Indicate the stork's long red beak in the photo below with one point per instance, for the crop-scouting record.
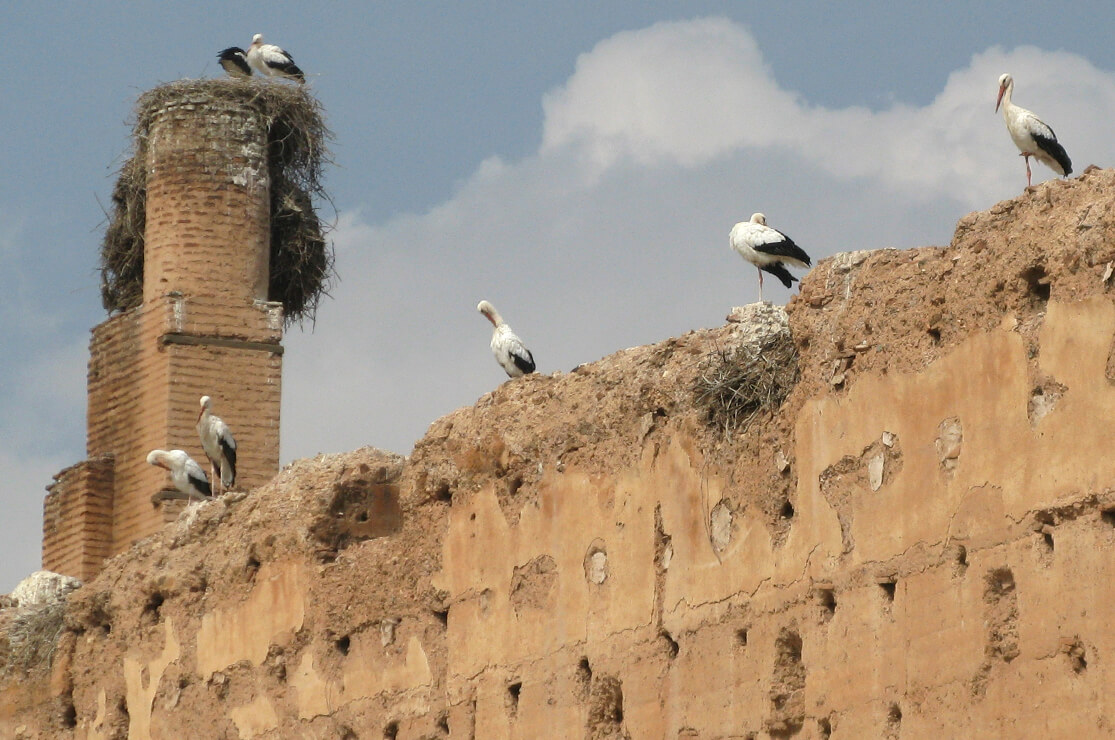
(1002, 89)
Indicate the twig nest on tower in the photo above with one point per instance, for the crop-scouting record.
(302, 260)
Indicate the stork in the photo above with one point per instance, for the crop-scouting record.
(768, 249)
(235, 62)
(1030, 134)
(186, 475)
(272, 61)
(219, 445)
(509, 350)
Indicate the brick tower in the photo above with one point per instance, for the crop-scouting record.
(204, 327)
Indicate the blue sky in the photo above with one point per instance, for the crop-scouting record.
(578, 164)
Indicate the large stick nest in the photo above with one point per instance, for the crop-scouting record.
(734, 386)
(302, 260)
(31, 636)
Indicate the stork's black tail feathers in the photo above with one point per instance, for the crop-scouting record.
(779, 271)
(1053, 148)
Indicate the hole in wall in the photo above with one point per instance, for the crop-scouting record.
(514, 485)
(443, 722)
(787, 510)
(1047, 541)
(1107, 516)
(443, 493)
(826, 597)
(251, 568)
(69, 713)
(1000, 581)
(153, 607)
(342, 644)
(391, 731)
(741, 637)
(1037, 283)
(442, 615)
(1074, 649)
(672, 646)
(894, 721)
(583, 678)
(513, 691)
(889, 588)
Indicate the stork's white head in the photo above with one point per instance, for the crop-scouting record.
(157, 458)
(1005, 83)
(758, 218)
(489, 312)
(206, 402)
(257, 39)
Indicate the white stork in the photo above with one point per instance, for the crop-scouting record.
(272, 61)
(219, 446)
(768, 249)
(187, 475)
(1030, 134)
(235, 62)
(509, 350)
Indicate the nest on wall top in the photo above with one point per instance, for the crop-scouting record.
(302, 260)
(735, 385)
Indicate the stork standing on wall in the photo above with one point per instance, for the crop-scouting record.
(1030, 134)
(509, 350)
(186, 475)
(219, 446)
(272, 61)
(235, 62)
(768, 249)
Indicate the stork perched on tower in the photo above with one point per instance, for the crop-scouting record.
(219, 446)
(768, 249)
(272, 61)
(1030, 134)
(235, 62)
(186, 475)
(509, 350)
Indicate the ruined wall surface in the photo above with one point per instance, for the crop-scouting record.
(917, 544)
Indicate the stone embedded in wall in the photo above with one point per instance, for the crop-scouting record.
(950, 435)
(596, 563)
(720, 525)
(1043, 399)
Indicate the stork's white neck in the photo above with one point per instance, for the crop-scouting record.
(1007, 104)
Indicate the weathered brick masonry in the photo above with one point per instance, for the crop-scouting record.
(205, 327)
